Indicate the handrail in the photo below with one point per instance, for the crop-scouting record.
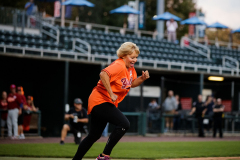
(105, 27)
(81, 49)
(224, 63)
(227, 44)
(48, 33)
(207, 54)
(109, 59)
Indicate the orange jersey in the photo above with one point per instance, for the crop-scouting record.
(121, 80)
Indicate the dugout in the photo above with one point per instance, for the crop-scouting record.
(48, 81)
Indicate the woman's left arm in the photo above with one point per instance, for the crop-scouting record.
(141, 79)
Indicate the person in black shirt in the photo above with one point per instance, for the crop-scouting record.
(199, 108)
(77, 117)
(217, 117)
(209, 105)
(177, 116)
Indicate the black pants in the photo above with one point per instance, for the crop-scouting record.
(100, 116)
(217, 126)
(176, 122)
(200, 127)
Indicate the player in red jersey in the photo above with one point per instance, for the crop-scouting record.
(14, 102)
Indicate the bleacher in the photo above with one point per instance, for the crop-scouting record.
(154, 53)
(107, 43)
(221, 51)
(28, 40)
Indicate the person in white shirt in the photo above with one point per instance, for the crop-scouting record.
(171, 28)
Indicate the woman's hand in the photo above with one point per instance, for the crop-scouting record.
(145, 75)
(141, 79)
(113, 97)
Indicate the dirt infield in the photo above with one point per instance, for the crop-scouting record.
(208, 158)
(124, 139)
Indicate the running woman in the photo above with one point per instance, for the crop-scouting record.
(114, 84)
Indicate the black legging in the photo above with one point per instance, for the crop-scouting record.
(100, 116)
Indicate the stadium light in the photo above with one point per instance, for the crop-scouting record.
(214, 78)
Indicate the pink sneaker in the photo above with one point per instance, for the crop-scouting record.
(103, 158)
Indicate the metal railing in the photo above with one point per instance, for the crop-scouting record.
(88, 46)
(194, 46)
(46, 31)
(229, 63)
(38, 121)
(192, 119)
(222, 43)
(19, 18)
(106, 28)
(154, 64)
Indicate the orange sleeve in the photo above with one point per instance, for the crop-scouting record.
(113, 70)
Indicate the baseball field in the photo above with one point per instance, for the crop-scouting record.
(128, 148)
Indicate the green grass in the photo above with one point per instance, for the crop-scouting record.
(129, 150)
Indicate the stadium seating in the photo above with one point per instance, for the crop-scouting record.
(219, 52)
(107, 43)
(28, 40)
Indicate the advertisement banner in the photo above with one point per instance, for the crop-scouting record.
(141, 17)
(68, 12)
(186, 103)
(201, 28)
(191, 28)
(57, 7)
(228, 105)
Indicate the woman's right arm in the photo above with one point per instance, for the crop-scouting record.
(106, 82)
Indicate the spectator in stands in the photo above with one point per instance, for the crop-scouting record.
(199, 109)
(177, 117)
(170, 105)
(77, 117)
(20, 92)
(14, 102)
(209, 104)
(28, 108)
(217, 118)
(29, 7)
(185, 40)
(31, 10)
(3, 108)
(171, 28)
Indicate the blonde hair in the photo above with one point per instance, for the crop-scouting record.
(127, 48)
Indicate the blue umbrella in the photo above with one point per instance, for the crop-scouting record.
(78, 3)
(236, 31)
(193, 21)
(125, 9)
(217, 25)
(166, 16)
